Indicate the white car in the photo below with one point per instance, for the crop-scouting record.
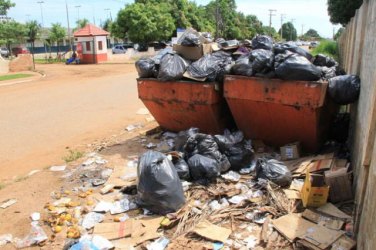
(119, 49)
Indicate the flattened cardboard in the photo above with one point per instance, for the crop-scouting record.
(290, 151)
(212, 232)
(340, 185)
(120, 171)
(292, 194)
(332, 210)
(112, 231)
(193, 53)
(322, 220)
(343, 243)
(321, 237)
(292, 226)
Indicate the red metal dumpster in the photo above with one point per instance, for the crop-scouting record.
(280, 112)
(180, 105)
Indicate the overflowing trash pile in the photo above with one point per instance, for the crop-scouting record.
(198, 58)
(198, 191)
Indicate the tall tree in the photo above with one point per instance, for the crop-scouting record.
(82, 23)
(341, 11)
(312, 33)
(5, 5)
(288, 32)
(338, 33)
(12, 32)
(144, 22)
(107, 25)
(57, 34)
(223, 14)
(32, 29)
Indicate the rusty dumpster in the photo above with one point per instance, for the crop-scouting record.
(180, 105)
(280, 112)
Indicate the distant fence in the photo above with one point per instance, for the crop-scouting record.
(358, 56)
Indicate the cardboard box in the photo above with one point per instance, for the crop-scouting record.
(193, 53)
(315, 192)
(290, 151)
(340, 185)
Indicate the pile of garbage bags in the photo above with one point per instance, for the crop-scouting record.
(202, 159)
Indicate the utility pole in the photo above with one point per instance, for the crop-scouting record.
(41, 11)
(292, 28)
(109, 11)
(282, 17)
(302, 29)
(69, 31)
(271, 14)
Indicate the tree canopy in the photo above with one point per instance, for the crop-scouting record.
(288, 31)
(12, 32)
(5, 5)
(312, 33)
(341, 11)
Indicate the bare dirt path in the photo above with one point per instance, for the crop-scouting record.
(71, 107)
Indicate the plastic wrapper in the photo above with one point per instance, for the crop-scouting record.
(203, 169)
(159, 187)
(323, 60)
(296, 67)
(91, 219)
(292, 47)
(5, 239)
(262, 42)
(157, 58)
(172, 67)
(327, 73)
(182, 138)
(273, 170)
(262, 60)
(191, 38)
(210, 65)
(36, 236)
(344, 89)
(146, 67)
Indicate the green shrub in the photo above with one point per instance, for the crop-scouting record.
(327, 47)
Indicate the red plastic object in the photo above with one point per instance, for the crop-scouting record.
(180, 105)
(280, 112)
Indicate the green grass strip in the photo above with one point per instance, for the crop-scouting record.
(13, 76)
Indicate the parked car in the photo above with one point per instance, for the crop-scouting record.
(119, 49)
(4, 52)
(20, 50)
(313, 44)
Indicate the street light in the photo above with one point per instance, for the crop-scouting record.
(78, 11)
(41, 11)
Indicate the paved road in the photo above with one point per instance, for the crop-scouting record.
(71, 106)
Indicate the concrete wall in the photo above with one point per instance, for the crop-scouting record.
(358, 56)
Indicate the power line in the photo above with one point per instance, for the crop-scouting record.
(282, 17)
(271, 14)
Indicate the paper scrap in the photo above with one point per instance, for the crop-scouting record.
(212, 232)
(8, 203)
(58, 168)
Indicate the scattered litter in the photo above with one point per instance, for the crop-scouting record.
(332, 210)
(36, 236)
(231, 176)
(112, 231)
(35, 216)
(8, 203)
(106, 189)
(212, 232)
(5, 239)
(119, 207)
(132, 127)
(58, 168)
(102, 206)
(151, 145)
(159, 244)
(33, 172)
(91, 219)
(94, 242)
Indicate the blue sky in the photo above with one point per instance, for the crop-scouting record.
(310, 13)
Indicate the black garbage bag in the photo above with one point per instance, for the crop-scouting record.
(209, 65)
(205, 145)
(261, 60)
(183, 137)
(323, 60)
(344, 89)
(190, 40)
(145, 67)
(327, 73)
(203, 169)
(292, 47)
(262, 42)
(182, 168)
(172, 67)
(242, 69)
(157, 58)
(296, 67)
(273, 170)
(159, 187)
(223, 71)
(238, 150)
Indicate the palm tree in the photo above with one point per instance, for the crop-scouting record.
(33, 29)
(82, 23)
(57, 35)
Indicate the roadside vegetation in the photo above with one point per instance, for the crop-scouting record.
(327, 47)
(72, 156)
(13, 76)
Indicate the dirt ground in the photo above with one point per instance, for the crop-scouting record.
(78, 107)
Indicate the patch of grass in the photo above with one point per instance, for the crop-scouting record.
(48, 61)
(2, 185)
(21, 178)
(14, 76)
(327, 47)
(72, 155)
